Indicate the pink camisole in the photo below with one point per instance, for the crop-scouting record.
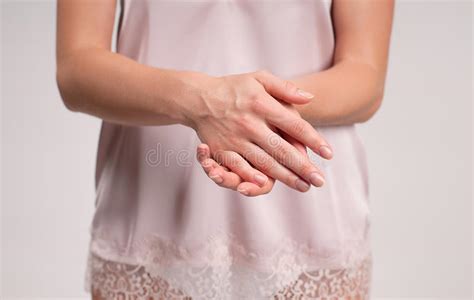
(163, 230)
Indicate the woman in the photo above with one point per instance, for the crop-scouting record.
(188, 75)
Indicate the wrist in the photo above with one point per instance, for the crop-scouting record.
(194, 87)
(178, 94)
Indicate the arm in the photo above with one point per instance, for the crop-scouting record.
(96, 81)
(351, 90)
(234, 114)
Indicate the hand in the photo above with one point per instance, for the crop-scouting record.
(226, 178)
(235, 117)
(223, 177)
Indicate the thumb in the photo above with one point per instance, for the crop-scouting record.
(281, 89)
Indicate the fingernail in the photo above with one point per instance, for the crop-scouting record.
(260, 179)
(216, 178)
(316, 179)
(305, 94)
(206, 163)
(325, 151)
(301, 185)
(243, 191)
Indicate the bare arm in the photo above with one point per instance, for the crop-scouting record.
(351, 90)
(96, 81)
(234, 114)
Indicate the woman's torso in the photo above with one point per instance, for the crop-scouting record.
(155, 205)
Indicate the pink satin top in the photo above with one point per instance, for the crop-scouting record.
(156, 207)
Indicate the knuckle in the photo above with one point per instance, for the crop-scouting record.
(262, 72)
(298, 127)
(273, 139)
(307, 168)
(283, 154)
(264, 164)
(248, 81)
(276, 144)
(247, 152)
(289, 86)
(265, 167)
(257, 105)
(291, 179)
(244, 122)
(293, 161)
(232, 142)
(253, 97)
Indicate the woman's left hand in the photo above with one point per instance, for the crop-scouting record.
(225, 178)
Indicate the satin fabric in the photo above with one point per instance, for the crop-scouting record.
(156, 207)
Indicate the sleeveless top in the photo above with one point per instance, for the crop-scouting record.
(157, 209)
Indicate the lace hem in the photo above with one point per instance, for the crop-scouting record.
(223, 268)
(112, 280)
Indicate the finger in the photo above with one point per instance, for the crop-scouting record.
(229, 180)
(268, 165)
(298, 128)
(295, 143)
(290, 140)
(290, 157)
(222, 176)
(241, 167)
(251, 190)
(203, 156)
(202, 152)
(282, 89)
(219, 174)
(225, 178)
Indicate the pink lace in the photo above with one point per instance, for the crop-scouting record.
(112, 280)
(156, 268)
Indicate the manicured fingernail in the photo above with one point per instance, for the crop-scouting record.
(260, 179)
(316, 179)
(325, 151)
(243, 191)
(216, 178)
(305, 94)
(301, 185)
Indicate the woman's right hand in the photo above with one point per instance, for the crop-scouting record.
(235, 116)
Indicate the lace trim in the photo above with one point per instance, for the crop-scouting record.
(112, 280)
(223, 268)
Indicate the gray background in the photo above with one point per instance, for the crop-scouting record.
(419, 147)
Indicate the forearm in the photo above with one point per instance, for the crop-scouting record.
(346, 93)
(117, 89)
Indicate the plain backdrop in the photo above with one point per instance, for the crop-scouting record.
(419, 148)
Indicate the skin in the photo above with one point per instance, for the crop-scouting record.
(238, 116)
(226, 111)
(349, 92)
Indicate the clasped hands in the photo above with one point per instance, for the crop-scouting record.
(252, 134)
